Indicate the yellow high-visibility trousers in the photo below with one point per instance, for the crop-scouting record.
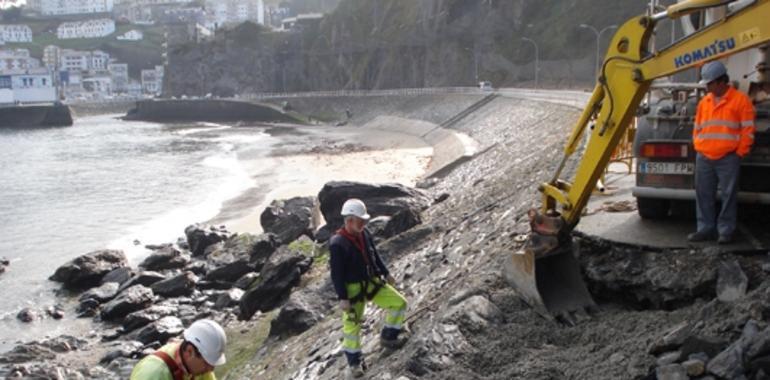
(387, 298)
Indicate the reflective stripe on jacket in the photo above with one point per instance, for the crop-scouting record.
(724, 127)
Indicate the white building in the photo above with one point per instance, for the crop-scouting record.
(28, 86)
(152, 81)
(132, 35)
(70, 7)
(119, 76)
(17, 60)
(76, 60)
(98, 85)
(15, 33)
(86, 29)
(224, 12)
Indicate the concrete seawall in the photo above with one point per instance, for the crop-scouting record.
(210, 110)
(33, 116)
(450, 148)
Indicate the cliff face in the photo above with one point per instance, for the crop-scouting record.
(370, 44)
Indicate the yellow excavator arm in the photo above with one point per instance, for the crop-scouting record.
(625, 77)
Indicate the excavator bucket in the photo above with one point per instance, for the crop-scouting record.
(546, 273)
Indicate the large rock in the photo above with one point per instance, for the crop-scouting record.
(230, 273)
(160, 330)
(146, 278)
(277, 278)
(402, 221)
(144, 317)
(120, 275)
(165, 258)
(263, 246)
(88, 270)
(229, 298)
(383, 199)
(246, 281)
(200, 237)
(130, 349)
(132, 299)
(729, 364)
(177, 286)
(296, 316)
(42, 351)
(731, 281)
(289, 219)
(671, 372)
(102, 294)
(671, 339)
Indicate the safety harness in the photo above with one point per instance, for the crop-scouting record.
(372, 274)
(176, 371)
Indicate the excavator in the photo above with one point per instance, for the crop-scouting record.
(545, 272)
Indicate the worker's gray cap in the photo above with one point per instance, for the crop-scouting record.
(711, 71)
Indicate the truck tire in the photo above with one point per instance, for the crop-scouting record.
(652, 208)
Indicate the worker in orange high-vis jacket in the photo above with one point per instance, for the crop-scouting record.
(722, 136)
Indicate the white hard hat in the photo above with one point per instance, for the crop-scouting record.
(712, 71)
(355, 207)
(210, 340)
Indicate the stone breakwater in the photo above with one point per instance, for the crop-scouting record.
(207, 110)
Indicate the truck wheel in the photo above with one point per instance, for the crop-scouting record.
(652, 208)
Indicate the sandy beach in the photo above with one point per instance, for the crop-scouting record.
(321, 154)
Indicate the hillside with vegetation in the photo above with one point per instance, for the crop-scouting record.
(371, 44)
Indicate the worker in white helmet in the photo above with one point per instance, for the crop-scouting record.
(194, 358)
(359, 275)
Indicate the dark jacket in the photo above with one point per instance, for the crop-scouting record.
(348, 265)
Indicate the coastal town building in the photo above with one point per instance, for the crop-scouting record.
(226, 12)
(308, 20)
(15, 33)
(76, 60)
(119, 75)
(86, 29)
(27, 86)
(131, 35)
(17, 60)
(69, 7)
(152, 81)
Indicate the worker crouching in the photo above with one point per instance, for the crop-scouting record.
(359, 275)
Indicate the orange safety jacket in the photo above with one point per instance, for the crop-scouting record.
(724, 127)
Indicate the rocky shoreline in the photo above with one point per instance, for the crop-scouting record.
(210, 273)
(691, 313)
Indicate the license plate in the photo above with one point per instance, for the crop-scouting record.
(667, 167)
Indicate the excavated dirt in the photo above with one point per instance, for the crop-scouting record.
(466, 323)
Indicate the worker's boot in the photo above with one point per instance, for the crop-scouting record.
(393, 339)
(355, 372)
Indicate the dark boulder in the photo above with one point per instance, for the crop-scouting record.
(380, 199)
(263, 246)
(102, 294)
(377, 226)
(246, 280)
(27, 315)
(145, 278)
(229, 298)
(230, 273)
(88, 270)
(55, 312)
(200, 268)
(297, 316)
(289, 219)
(160, 330)
(144, 317)
(120, 275)
(200, 237)
(402, 221)
(165, 258)
(132, 299)
(131, 349)
(277, 278)
(177, 286)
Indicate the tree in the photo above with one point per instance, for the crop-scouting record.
(12, 14)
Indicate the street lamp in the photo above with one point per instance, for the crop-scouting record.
(537, 56)
(598, 40)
